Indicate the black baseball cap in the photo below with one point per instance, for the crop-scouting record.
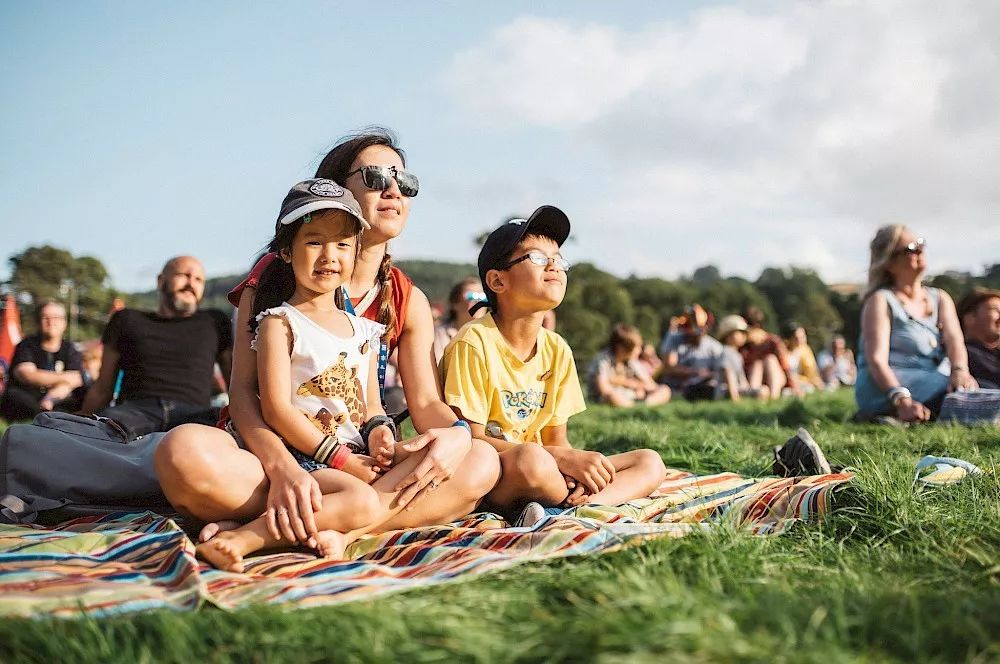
(547, 221)
(311, 196)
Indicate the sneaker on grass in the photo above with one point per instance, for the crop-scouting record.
(800, 456)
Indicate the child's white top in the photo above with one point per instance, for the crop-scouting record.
(330, 373)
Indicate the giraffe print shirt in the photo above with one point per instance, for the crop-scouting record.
(330, 373)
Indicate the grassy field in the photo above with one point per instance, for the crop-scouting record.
(895, 574)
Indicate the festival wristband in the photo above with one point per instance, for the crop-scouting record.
(463, 424)
(328, 447)
(340, 457)
(957, 368)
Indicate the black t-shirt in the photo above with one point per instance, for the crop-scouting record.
(984, 365)
(168, 358)
(67, 358)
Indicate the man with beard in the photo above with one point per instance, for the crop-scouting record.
(46, 371)
(167, 357)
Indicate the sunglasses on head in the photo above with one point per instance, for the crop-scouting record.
(541, 260)
(915, 247)
(379, 178)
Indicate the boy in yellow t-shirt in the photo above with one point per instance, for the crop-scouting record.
(515, 382)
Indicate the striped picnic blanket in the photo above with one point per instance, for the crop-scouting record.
(125, 562)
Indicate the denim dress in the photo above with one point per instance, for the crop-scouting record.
(916, 356)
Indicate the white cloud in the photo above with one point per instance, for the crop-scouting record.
(750, 135)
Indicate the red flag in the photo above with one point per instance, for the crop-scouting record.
(10, 331)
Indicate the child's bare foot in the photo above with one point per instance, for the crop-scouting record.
(223, 552)
(331, 544)
(215, 527)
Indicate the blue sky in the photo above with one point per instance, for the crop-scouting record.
(674, 134)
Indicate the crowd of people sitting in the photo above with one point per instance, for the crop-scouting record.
(151, 370)
(307, 451)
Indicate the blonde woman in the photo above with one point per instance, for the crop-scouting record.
(911, 350)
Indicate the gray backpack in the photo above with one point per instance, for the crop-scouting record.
(63, 466)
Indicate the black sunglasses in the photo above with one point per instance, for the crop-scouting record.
(915, 247)
(379, 178)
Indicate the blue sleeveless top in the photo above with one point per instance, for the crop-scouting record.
(916, 356)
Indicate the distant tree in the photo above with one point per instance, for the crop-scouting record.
(81, 283)
(436, 278)
(733, 296)
(664, 298)
(991, 276)
(799, 295)
(955, 284)
(705, 276)
(848, 307)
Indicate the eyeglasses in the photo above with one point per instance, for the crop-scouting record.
(915, 247)
(379, 178)
(475, 297)
(541, 260)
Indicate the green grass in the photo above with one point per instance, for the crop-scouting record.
(893, 574)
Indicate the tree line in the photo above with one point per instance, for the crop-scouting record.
(595, 300)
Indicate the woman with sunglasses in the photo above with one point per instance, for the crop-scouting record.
(911, 350)
(207, 476)
(463, 296)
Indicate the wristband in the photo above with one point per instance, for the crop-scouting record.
(897, 394)
(340, 457)
(465, 425)
(377, 421)
(328, 447)
(959, 368)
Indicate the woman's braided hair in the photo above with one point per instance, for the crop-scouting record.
(335, 166)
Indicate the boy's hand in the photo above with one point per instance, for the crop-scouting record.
(363, 467)
(592, 470)
(577, 496)
(382, 446)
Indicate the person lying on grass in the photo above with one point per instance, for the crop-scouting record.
(517, 385)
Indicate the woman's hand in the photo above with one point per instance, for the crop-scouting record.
(909, 410)
(446, 448)
(960, 380)
(292, 499)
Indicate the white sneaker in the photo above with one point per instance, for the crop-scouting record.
(531, 515)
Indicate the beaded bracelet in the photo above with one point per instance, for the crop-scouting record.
(328, 447)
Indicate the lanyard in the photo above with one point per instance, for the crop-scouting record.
(383, 348)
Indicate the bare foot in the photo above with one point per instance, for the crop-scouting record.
(215, 527)
(223, 552)
(331, 544)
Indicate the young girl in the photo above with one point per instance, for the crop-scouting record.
(317, 371)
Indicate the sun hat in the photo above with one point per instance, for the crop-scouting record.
(730, 324)
(310, 196)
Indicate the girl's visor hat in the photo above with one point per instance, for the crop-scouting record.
(311, 196)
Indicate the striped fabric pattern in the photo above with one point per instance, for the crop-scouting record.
(116, 564)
